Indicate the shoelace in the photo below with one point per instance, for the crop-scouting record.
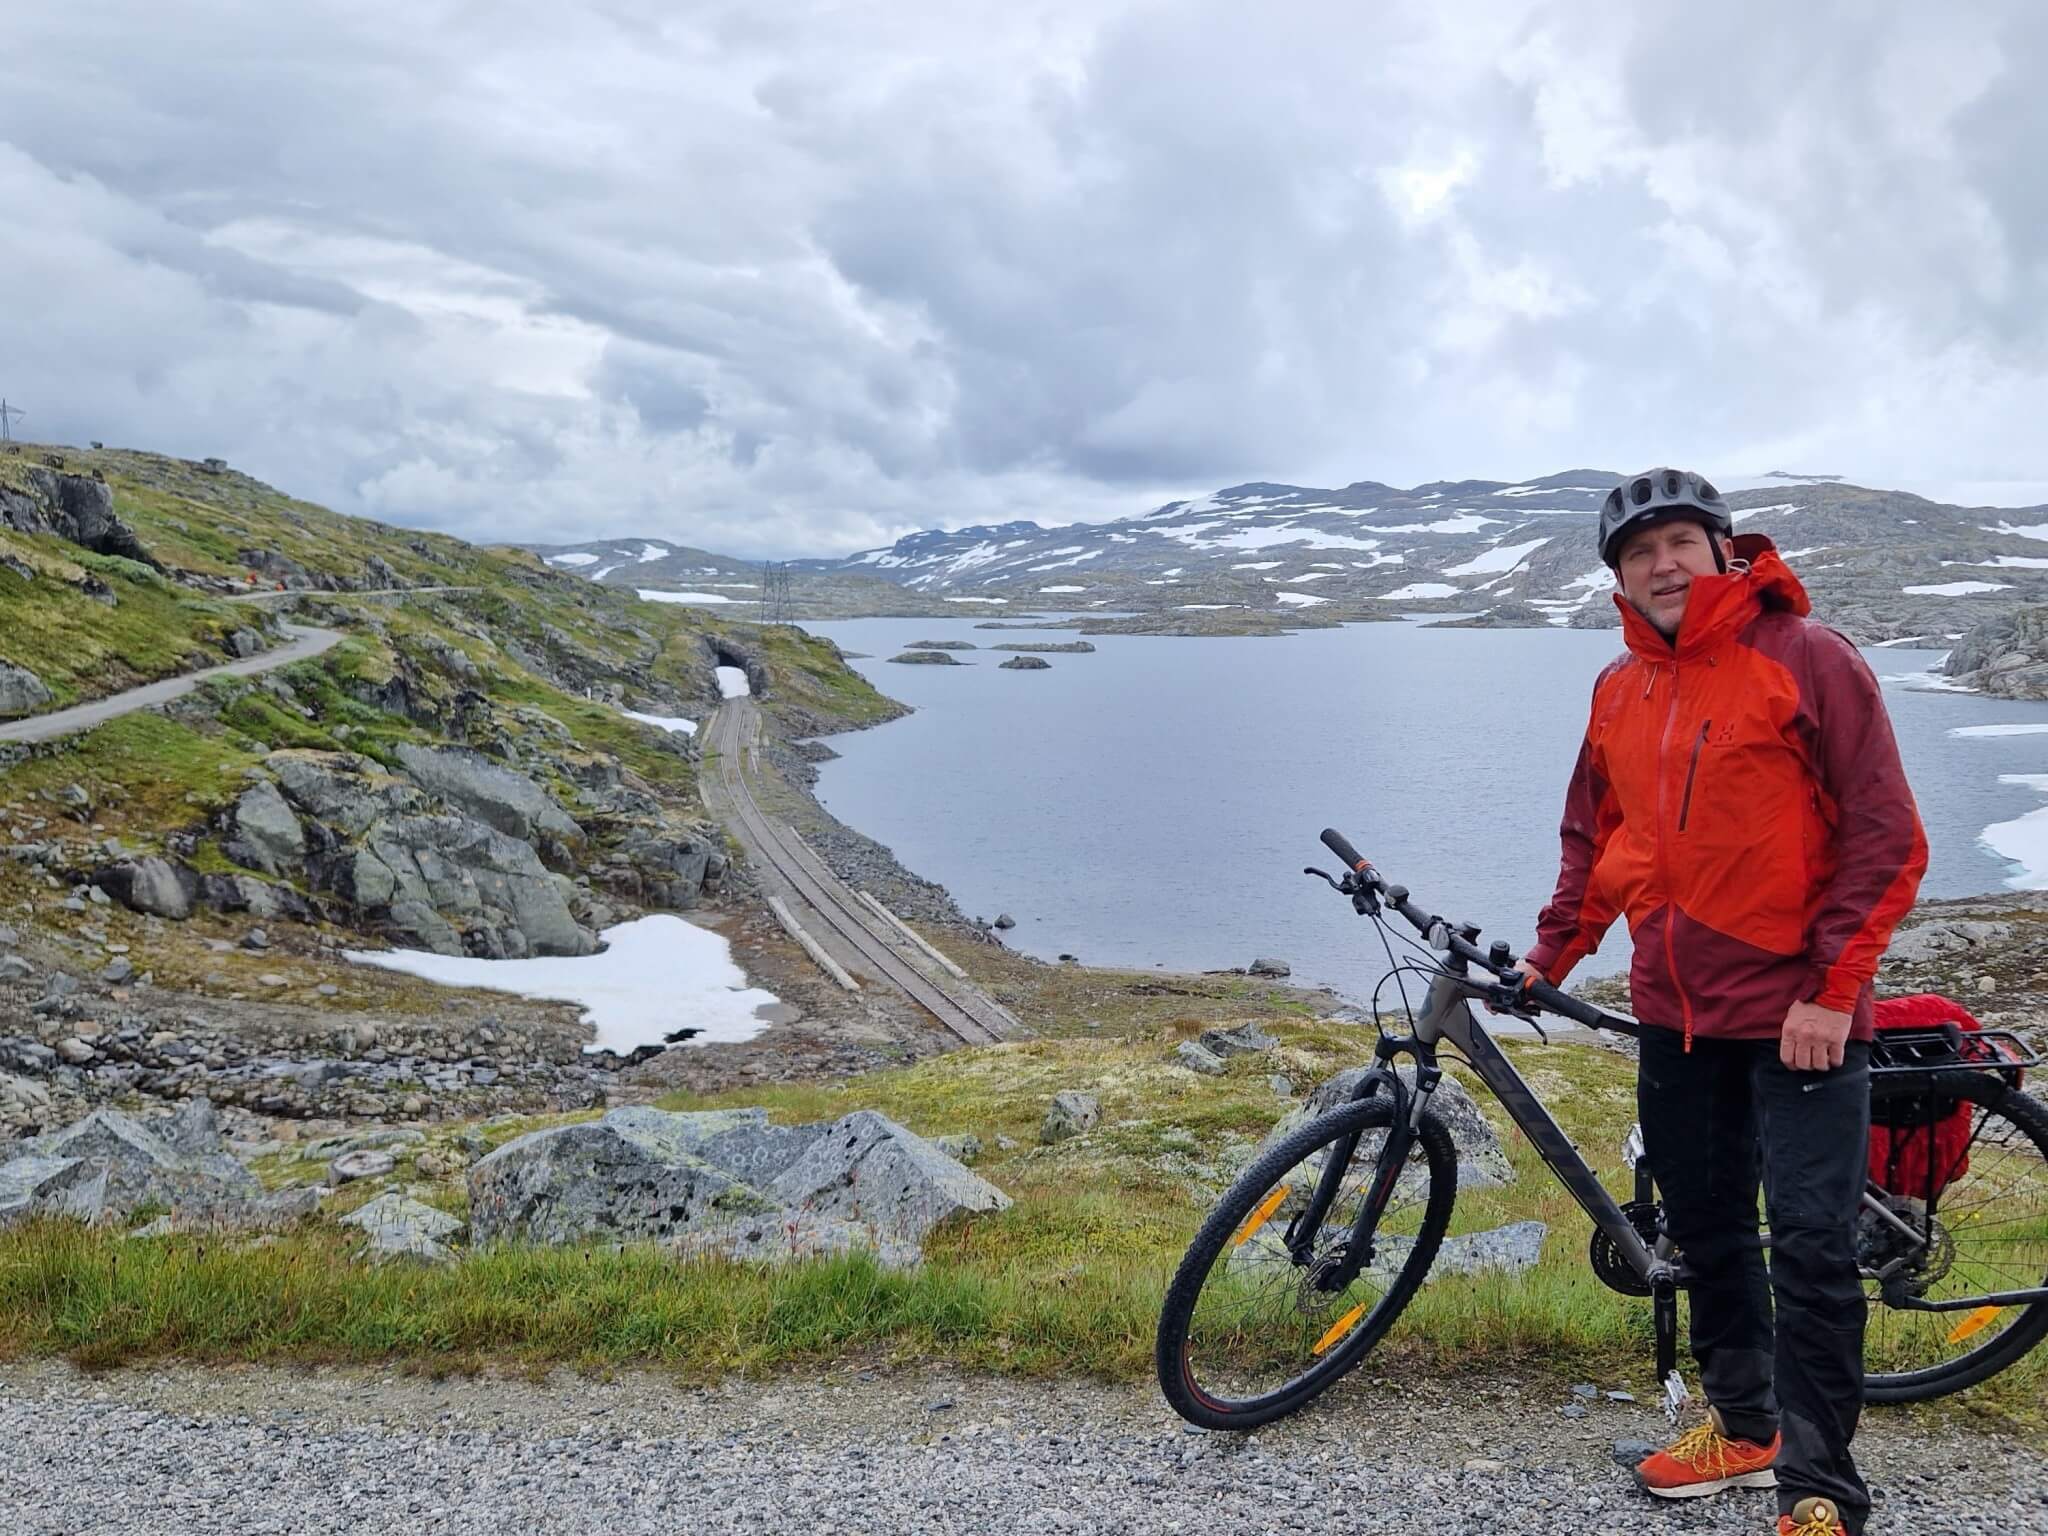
(1704, 1448)
(1819, 1525)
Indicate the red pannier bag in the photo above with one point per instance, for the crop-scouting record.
(1899, 1151)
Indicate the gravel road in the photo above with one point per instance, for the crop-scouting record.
(265, 1451)
(305, 641)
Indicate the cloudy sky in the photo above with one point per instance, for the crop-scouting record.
(797, 277)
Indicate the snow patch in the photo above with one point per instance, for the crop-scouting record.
(1299, 599)
(1063, 589)
(1420, 590)
(732, 683)
(575, 559)
(1463, 522)
(1956, 588)
(655, 975)
(672, 723)
(649, 596)
(2031, 531)
(977, 599)
(652, 552)
(2024, 840)
(2006, 728)
(1504, 557)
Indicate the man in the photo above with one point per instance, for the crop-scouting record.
(1739, 796)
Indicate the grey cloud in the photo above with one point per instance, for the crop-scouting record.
(795, 278)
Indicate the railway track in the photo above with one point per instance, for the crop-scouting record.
(961, 1008)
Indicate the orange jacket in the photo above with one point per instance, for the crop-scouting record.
(1739, 796)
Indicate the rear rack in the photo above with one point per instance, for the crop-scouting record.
(1951, 1048)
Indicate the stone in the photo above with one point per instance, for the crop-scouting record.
(265, 833)
(869, 1170)
(180, 1159)
(79, 508)
(256, 938)
(366, 1164)
(1244, 1040)
(1512, 1248)
(38, 1184)
(14, 968)
(243, 643)
(152, 885)
(399, 1228)
(1282, 1085)
(75, 1051)
(1020, 664)
(1632, 1453)
(1270, 968)
(1004, 920)
(118, 971)
(927, 659)
(21, 692)
(493, 794)
(1073, 1113)
(964, 1149)
(637, 1173)
(1196, 1058)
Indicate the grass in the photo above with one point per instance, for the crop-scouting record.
(144, 771)
(1067, 1282)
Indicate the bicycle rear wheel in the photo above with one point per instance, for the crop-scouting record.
(1250, 1330)
(1983, 1214)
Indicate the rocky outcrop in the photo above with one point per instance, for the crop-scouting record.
(1050, 647)
(2006, 656)
(1482, 1162)
(662, 868)
(265, 834)
(1073, 1113)
(496, 795)
(727, 1182)
(110, 1164)
(399, 1228)
(152, 885)
(75, 507)
(1024, 664)
(21, 692)
(928, 659)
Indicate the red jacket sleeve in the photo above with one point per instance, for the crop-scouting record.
(1880, 851)
(1569, 928)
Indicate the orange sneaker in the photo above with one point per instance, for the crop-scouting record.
(1812, 1517)
(1704, 1460)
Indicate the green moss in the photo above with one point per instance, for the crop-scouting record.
(146, 771)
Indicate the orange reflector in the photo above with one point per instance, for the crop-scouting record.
(1976, 1322)
(1259, 1216)
(1338, 1329)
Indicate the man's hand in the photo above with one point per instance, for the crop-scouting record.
(1813, 1037)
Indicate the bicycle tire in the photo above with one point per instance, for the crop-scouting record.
(1176, 1371)
(2012, 1343)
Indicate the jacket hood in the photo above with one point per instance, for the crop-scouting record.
(1719, 607)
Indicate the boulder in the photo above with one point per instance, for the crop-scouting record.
(363, 1164)
(258, 898)
(399, 1228)
(21, 692)
(1073, 1113)
(868, 1170)
(496, 795)
(1270, 968)
(1005, 921)
(341, 790)
(264, 832)
(726, 1182)
(178, 1160)
(1245, 1040)
(1512, 1248)
(152, 885)
(1198, 1058)
(75, 507)
(637, 1173)
(242, 643)
(38, 1184)
(1022, 664)
(927, 659)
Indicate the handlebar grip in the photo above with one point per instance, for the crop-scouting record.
(1340, 845)
(1565, 1005)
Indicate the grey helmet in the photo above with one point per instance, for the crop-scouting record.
(1655, 496)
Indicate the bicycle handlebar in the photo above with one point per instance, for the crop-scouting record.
(1442, 934)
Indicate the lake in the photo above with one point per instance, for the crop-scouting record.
(1154, 803)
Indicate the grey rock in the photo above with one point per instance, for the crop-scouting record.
(256, 938)
(35, 1183)
(179, 1159)
(1197, 1058)
(927, 659)
(867, 1170)
(21, 691)
(350, 1166)
(152, 885)
(1020, 664)
(1265, 967)
(637, 1173)
(400, 1228)
(75, 1051)
(14, 968)
(75, 507)
(1004, 920)
(964, 1149)
(1512, 1248)
(1282, 1085)
(1073, 1113)
(1945, 938)
(1632, 1453)
(496, 795)
(1244, 1040)
(243, 642)
(118, 971)
(266, 835)
(1585, 1389)
(341, 790)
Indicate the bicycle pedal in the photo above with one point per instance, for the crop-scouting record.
(1675, 1396)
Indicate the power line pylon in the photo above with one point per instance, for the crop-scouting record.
(8, 415)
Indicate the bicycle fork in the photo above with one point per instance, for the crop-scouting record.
(1404, 1126)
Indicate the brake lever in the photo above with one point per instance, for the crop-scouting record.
(1506, 998)
(1322, 874)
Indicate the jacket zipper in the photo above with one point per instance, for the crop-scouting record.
(1691, 771)
(1664, 866)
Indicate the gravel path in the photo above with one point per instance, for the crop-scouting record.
(265, 1451)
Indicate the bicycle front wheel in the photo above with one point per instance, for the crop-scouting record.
(1979, 1211)
(1254, 1325)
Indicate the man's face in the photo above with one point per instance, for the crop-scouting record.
(1657, 565)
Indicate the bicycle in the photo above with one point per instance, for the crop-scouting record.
(1312, 1254)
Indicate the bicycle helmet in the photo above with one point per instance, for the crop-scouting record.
(1655, 496)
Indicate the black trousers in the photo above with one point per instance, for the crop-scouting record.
(1717, 1123)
